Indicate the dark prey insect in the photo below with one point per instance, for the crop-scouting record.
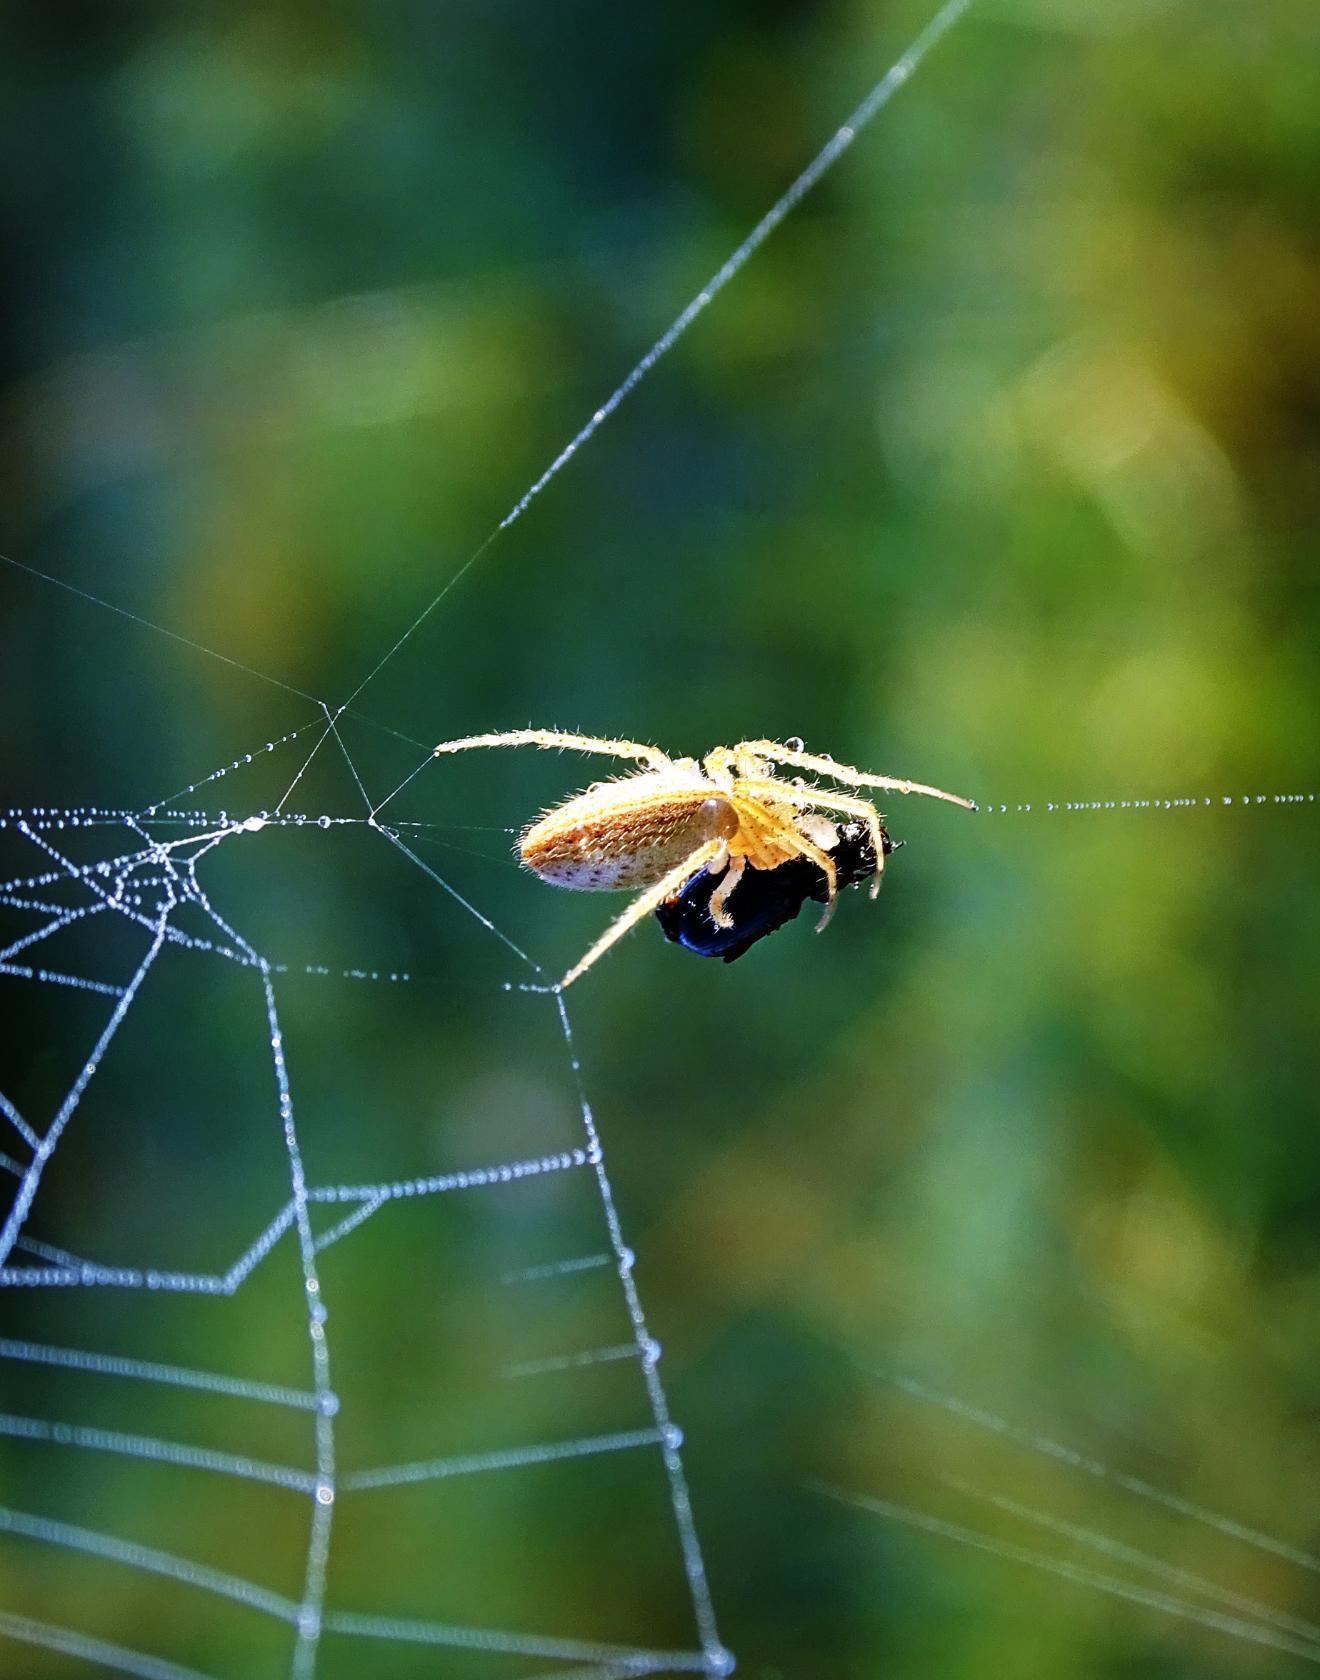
(764, 899)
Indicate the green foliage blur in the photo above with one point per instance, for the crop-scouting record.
(995, 468)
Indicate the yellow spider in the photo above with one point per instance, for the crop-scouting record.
(654, 828)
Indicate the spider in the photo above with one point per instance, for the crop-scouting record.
(657, 827)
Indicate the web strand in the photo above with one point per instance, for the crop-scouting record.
(1185, 1579)
(160, 629)
(118, 1658)
(1175, 802)
(1048, 1448)
(898, 73)
(880, 95)
(27, 1189)
(718, 1660)
(1079, 1575)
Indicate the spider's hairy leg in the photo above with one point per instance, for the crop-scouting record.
(825, 863)
(779, 753)
(864, 809)
(643, 905)
(829, 800)
(561, 738)
(785, 837)
(719, 899)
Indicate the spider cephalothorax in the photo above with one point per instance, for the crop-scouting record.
(655, 828)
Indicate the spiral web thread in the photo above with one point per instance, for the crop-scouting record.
(153, 868)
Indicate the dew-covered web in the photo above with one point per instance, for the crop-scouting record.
(146, 876)
(101, 904)
(150, 870)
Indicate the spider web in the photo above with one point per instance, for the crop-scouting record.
(152, 937)
(149, 877)
(120, 914)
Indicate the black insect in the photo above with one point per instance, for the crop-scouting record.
(764, 899)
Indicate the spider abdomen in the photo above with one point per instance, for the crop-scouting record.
(629, 833)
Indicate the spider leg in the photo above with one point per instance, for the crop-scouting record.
(719, 899)
(827, 799)
(563, 739)
(788, 837)
(825, 863)
(778, 753)
(643, 905)
(864, 809)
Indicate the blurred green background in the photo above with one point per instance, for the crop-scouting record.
(996, 468)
